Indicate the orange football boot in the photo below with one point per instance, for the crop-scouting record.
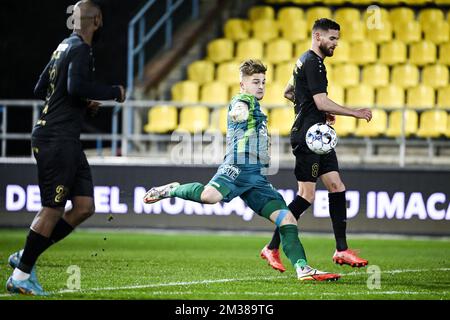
(273, 258)
(349, 257)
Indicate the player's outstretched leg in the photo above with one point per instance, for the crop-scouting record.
(294, 250)
(158, 193)
(271, 251)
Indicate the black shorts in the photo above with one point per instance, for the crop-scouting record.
(310, 166)
(63, 172)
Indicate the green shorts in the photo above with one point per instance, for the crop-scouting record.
(249, 184)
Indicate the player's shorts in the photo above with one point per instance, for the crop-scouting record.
(249, 184)
(63, 172)
(310, 166)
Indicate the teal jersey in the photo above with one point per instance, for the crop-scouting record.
(247, 141)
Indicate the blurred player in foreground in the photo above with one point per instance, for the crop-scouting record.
(241, 173)
(308, 90)
(67, 86)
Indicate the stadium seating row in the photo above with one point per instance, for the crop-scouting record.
(378, 26)
(361, 2)
(346, 91)
(433, 123)
(362, 52)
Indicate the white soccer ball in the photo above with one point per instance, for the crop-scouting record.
(321, 138)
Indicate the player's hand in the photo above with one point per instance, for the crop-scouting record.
(93, 107)
(364, 113)
(331, 119)
(122, 94)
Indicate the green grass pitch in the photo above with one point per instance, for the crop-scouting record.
(146, 265)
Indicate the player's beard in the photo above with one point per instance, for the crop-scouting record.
(325, 50)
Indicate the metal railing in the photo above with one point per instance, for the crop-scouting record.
(144, 36)
(124, 137)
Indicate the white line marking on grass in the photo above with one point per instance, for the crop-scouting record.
(212, 281)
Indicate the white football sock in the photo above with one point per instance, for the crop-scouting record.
(19, 275)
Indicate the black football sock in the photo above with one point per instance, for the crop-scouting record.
(62, 229)
(338, 214)
(297, 207)
(34, 246)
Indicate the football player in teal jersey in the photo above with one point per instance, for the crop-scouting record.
(242, 172)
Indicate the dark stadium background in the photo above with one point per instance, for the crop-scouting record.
(31, 30)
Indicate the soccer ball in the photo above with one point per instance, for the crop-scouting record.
(321, 138)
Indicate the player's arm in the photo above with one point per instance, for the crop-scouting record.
(40, 89)
(239, 111)
(317, 83)
(79, 84)
(289, 92)
(324, 103)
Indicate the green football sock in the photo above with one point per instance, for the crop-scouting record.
(188, 191)
(292, 246)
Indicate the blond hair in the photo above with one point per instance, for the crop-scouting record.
(250, 67)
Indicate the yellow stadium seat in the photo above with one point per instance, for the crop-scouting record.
(274, 94)
(293, 30)
(281, 120)
(417, 2)
(353, 31)
(218, 121)
(336, 93)
(301, 47)
(376, 127)
(408, 32)
(330, 70)
(428, 17)
(278, 50)
(376, 75)
(374, 17)
(390, 2)
(220, 50)
(422, 53)
(439, 33)
(443, 100)
(228, 72)
(391, 96)
(448, 126)
(234, 90)
(360, 2)
(442, 2)
(270, 72)
(249, 49)
(433, 124)
(420, 97)
(395, 123)
(290, 14)
(405, 76)
(341, 53)
(185, 91)
(334, 2)
(444, 57)
(363, 52)
(344, 126)
(214, 92)
(435, 75)
(393, 52)
(194, 119)
(346, 75)
(381, 34)
(201, 71)
(265, 29)
(344, 15)
(400, 15)
(261, 12)
(237, 29)
(361, 96)
(161, 119)
(315, 13)
(284, 71)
